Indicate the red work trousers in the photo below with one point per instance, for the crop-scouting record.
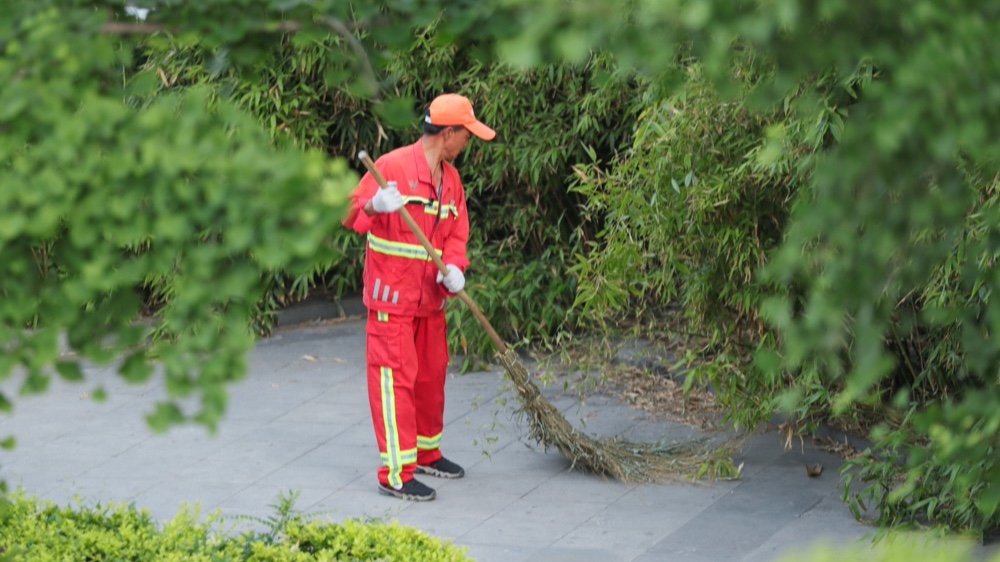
(407, 364)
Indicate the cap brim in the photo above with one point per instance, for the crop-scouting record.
(480, 130)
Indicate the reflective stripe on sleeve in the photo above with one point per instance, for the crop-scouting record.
(398, 249)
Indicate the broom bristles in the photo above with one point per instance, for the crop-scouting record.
(614, 458)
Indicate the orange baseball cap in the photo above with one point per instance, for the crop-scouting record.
(452, 109)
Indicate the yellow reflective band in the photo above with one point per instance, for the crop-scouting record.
(383, 317)
(429, 443)
(399, 249)
(392, 455)
(406, 457)
(432, 209)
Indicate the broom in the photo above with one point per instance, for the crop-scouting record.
(615, 458)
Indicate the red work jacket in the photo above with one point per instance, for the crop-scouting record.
(399, 276)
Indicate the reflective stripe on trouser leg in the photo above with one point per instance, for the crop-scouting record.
(404, 457)
(391, 372)
(392, 457)
(431, 339)
(428, 443)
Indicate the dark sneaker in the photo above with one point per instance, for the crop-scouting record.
(412, 490)
(442, 468)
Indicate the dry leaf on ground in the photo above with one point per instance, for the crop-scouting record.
(661, 395)
(831, 445)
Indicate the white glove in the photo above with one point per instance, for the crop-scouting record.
(454, 281)
(387, 200)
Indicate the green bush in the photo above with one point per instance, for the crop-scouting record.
(689, 213)
(99, 196)
(698, 207)
(879, 290)
(36, 531)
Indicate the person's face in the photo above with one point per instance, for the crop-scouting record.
(455, 141)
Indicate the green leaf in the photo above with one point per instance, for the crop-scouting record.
(35, 383)
(70, 371)
(136, 368)
(398, 112)
(164, 416)
(335, 76)
(143, 84)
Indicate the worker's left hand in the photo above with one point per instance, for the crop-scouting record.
(454, 281)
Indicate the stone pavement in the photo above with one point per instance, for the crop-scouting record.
(300, 422)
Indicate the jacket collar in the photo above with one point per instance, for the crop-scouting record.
(424, 171)
(420, 162)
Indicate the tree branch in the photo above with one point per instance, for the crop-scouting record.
(340, 28)
(144, 28)
(120, 28)
(359, 50)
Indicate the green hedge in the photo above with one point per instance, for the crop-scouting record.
(37, 531)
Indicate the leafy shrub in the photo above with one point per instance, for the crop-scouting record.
(693, 212)
(101, 196)
(35, 531)
(922, 471)
(688, 215)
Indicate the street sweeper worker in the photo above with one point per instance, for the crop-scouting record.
(405, 293)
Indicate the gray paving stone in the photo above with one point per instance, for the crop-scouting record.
(168, 496)
(827, 521)
(619, 543)
(316, 412)
(146, 459)
(334, 453)
(578, 487)
(360, 500)
(359, 434)
(46, 465)
(503, 530)
(469, 500)
(299, 421)
(563, 554)
(443, 526)
(503, 553)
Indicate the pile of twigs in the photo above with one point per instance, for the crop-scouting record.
(614, 458)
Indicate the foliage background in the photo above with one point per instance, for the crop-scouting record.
(525, 221)
(99, 196)
(812, 186)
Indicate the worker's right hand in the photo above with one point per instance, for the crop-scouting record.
(387, 200)
(454, 281)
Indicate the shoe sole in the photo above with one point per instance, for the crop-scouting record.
(430, 471)
(404, 496)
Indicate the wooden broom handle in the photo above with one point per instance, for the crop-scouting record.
(408, 219)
